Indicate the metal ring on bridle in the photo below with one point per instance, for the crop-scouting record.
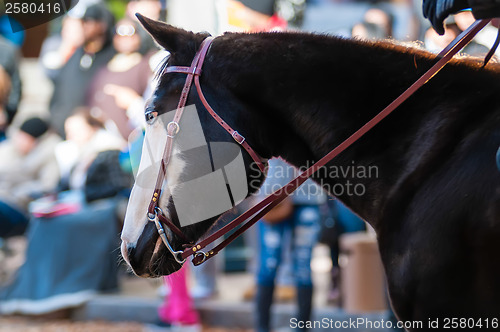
(158, 210)
(205, 256)
(175, 130)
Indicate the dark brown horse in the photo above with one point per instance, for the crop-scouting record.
(435, 198)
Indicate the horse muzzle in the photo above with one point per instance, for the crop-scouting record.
(148, 257)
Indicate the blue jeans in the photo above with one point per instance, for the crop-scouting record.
(304, 226)
(12, 221)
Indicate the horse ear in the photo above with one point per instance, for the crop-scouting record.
(169, 37)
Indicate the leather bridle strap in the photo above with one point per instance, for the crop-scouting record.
(235, 134)
(259, 210)
(196, 72)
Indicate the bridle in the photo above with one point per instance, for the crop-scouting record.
(156, 215)
(193, 72)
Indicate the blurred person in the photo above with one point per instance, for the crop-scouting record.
(254, 17)
(436, 43)
(339, 220)
(28, 170)
(9, 61)
(418, 22)
(381, 18)
(291, 11)
(78, 7)
(486, 37)
(232, 15)
(58, 49)
(368, 31)
(298, 215)
(73, 233)
(198, 15)
(177, 310)
(126, 97)
(70, 86)
(128, 72)
(148, 8)
(85, 138)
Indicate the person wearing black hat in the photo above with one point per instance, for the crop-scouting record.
(70, 86)
(28, 169)
(29, 132)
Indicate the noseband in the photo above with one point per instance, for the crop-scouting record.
(156, 215)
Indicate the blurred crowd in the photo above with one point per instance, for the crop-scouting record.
(65, 173)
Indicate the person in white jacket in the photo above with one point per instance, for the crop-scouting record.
(28, 169)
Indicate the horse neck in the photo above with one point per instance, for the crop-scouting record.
(315, 91)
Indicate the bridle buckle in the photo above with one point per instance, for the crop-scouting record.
(238, 137)
(199, 257)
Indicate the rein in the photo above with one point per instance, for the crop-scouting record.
(255, 213)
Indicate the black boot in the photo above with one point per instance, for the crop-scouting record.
(304, 300)
(263, 301)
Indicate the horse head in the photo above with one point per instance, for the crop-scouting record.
(207, 172)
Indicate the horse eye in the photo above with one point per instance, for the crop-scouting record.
(150, 117)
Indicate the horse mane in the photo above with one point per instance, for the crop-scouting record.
(365, 48)
(303, 49)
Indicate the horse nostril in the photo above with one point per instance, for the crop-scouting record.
(134, 258)
(130, 251)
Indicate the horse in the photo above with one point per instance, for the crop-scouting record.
(434, 201)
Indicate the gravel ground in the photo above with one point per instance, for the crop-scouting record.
(38, 325)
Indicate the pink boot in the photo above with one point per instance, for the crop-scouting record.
(177, 309)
